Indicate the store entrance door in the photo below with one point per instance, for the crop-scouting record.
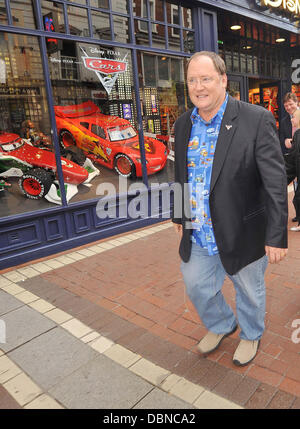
(268, 94)
(237, 86)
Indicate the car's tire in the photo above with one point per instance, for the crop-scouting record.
(35, 183)
(124, 166)
(74, 154)
(66, 139)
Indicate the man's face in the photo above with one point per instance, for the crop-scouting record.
(206, 86)
(290, 106)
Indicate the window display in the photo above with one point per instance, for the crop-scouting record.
(27, 161)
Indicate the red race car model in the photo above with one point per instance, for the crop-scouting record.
(35, 167)
(108, 140)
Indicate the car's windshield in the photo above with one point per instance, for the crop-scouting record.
(118, 133)
(8, 147)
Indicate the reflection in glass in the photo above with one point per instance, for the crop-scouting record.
(78, 21)
(164, 99)
(100, 3)
(53, 16)
(22, 14)
(3, 17)
(141, 34)
(101, 25)
(121, 29)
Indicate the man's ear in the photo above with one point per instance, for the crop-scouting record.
(224, 80)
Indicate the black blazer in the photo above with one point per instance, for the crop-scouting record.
(248, 191)
(285, 132)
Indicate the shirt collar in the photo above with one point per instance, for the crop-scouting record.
(195, 117)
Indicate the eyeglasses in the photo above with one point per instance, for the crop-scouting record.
(205, 81)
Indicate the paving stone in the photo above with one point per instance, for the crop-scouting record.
(100, 384)
(186, 390)
(244, 390)
(76, 328)
(44, 402)
(122, 356)
(281, 400)
(22, 389)
(262, 397)
(229, 383)
(8, 303)
(8, 369)
(58, 316)
(7, 402)
(152, 373)
(209, 400)
(159, 400)
(52, 356)
(22, 325)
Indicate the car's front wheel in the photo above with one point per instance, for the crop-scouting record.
(66, 139)
(124, 166)
(35, 183)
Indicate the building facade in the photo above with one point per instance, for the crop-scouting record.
(89, 93)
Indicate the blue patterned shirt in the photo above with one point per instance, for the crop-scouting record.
(200, 156)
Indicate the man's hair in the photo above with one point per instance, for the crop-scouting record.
(290, 96)
(216, 59)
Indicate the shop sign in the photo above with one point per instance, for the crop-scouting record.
(292, 6)
(14, 90)
(127, 114)
(106, 69)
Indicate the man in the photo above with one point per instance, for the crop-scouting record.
(229, 154)
(290, 103)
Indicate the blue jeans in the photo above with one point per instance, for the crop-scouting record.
(204, 276)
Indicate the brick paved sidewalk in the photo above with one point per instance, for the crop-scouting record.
(131, 291)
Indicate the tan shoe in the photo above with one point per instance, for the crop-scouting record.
(210, 342)
(245, 352)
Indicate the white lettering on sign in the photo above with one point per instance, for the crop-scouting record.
(292, 6)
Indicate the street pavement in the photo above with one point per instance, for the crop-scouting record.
(109, 326)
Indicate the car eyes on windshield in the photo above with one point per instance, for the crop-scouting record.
(121, 134)
(12, 146)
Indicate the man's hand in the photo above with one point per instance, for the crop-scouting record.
(178, 228)
(275, 254)
(288, 143)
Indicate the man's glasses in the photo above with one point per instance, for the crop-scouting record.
(194, 81)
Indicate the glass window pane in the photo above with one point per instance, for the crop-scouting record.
(25, 137)
(95, 111)
(120, 6)
(101, 25)
(187, 17)
(53, 16)
(164, 97)
(104, 4)
(22, 14)
(189, 41)
(158, 36)
(3, 17)
(121, 29)
(141, 32)
(83, 2)
(78, 21)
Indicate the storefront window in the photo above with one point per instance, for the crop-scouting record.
(164, 98)
(96, 113)
(78, 21)
(27, 162)
(22, 13)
